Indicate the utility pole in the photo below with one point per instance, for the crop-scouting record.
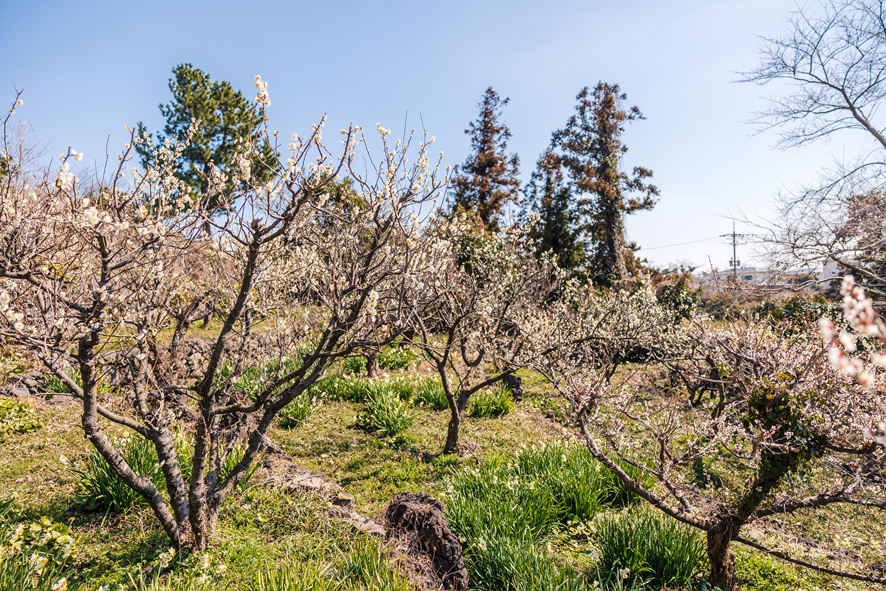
(735, 263)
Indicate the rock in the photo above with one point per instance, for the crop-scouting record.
(282, 471)
(419, 517)
(31, 383)
(515, 385)
(344, 500)
(368, 526)
(14, 390)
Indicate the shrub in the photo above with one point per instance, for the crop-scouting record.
(678, 295)
(385, 411)
(492, 403)
(17, 417)
(429, 392)
(642, 546)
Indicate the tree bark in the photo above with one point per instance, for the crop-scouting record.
(372, 364)
(452, 430)
(721, 558)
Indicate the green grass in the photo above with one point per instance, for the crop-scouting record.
(53, 384)
(385, 412)
(392, 357)
(396, 357)
(491, 403)
(646, 547)
(101, 489)
(295, 413)
(551, 536)
(513, 509)
(354, 365)
(429, 393)
(366, 566)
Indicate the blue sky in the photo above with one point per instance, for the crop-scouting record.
(91, 67)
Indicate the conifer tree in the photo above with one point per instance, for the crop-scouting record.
(487, 180)
(227, 122)
(556, 230)
(590, 148)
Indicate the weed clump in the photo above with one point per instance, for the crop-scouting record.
(17, 417)
(295, 413)
(385, 411)
(492, 403)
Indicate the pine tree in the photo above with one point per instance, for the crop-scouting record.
(487, 180)
(556, 229)
(590, 148)
(227, 122)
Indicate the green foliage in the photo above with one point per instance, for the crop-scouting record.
(385, 411)
(227, 122)
(797, 313)
(514, 564)
(429, 392)
(37, 556)
(617, 493)
(590, 149)
(341, 388)
(488, 179)
(756, 571)
(253, 379)
(492, 403)
(7, 507)
(354, 389)
(294, 578)
(11, 363)
(17, 417)
(556, 230)
(53, 384)
(395, 357)
(776, 409)
(295, 413)
(354, 365)
(366, 567)
(505, 509)
(679, 297)
(643, 546)
(101, 489)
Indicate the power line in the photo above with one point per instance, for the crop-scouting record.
(679, 243)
